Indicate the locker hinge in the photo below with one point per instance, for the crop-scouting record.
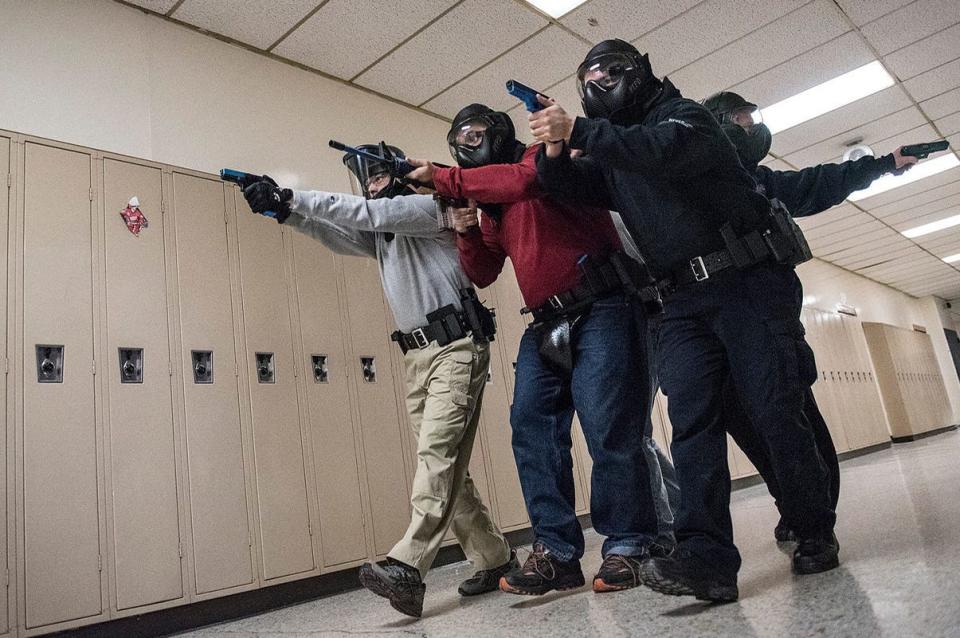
(6, 366)
(94, 366)
(92, 194)
(99, 562)
(180, 550)
(170, 373)
(249, 541)
(9, 180)
(309, 528)
(6, 577)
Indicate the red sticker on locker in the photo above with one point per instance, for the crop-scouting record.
(134, 217)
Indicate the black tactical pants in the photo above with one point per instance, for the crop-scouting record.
(740, 326)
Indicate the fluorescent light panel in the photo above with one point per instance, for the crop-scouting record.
(823, 98)
(556, 8)
(918, 172)
(952, 258)
(932, 227)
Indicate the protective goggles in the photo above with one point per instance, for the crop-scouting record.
(470, 133)
(605, 71)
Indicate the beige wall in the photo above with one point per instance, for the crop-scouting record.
(111, 77)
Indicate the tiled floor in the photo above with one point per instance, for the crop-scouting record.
(899, 529)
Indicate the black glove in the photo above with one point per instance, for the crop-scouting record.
(267, 196)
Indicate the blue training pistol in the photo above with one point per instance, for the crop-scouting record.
(243, 180)
(525, 94)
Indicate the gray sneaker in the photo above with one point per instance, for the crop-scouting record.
(487, 580)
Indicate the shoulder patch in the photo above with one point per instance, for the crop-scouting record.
(680, 122)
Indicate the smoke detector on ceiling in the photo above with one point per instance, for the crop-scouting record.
(856, 149)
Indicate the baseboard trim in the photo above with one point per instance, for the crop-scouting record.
(870, 449)
(923, 435)
(257, 601)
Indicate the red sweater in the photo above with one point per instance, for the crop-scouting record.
(544, 238)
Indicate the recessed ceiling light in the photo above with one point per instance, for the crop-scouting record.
(556, 8)
(823, 98)
(932, 227)
(952, 258)
(918, 172)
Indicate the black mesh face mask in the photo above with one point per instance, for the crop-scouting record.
(480, 136)
(615, 82)
(752, 142)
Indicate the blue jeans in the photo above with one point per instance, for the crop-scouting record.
(608, 388)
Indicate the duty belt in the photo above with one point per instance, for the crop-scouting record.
(603, 281)
(702, 268)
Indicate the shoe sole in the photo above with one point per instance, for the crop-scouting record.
(601, 586)
(807, 566)
(539, 591)
(716, 593)
(376, 586)
(467, 594)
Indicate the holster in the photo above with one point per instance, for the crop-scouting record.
(555, 342)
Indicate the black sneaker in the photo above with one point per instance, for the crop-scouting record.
(815, 555)
(783, 533)
(662, 546)
(487, 580)
(683, 574)
(618, 572)
(541, 573)
(398, 582)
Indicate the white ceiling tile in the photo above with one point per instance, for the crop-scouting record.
(926, 54)
(950, 124)
(916, 20)
(602, 19)
(812, 25)
(832, 149)
(927, 197)
(346, 36)
(935, 81)
(541, 61)
(863, 11)
(945, 240)
(807, 70)
(838, 123)
(256, 22)
(850, 238)
(867, 259)
(450, 48)
(835, 214)
(705, 28)
(911, 190)
(777, 164)
(921, 214)
(158, 6)
(850, 220)
(942, 105)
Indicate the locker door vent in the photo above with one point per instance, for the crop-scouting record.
(131, 365)
(265, 369)
(368, 366)
(49, 364)
(320, 372)
(202, 366)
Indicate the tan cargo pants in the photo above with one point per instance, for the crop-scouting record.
(444, 391)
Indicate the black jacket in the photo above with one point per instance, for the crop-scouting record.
(674, 178)
(815, 189)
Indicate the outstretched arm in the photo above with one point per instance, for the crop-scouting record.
(815, 189)
(405, 215)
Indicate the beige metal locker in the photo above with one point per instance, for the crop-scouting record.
(6, 199)
(380, 419)
(221, 536)
(871, 426)
(143, 533)
(59, 508)
(283, 513)
(323, 355)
